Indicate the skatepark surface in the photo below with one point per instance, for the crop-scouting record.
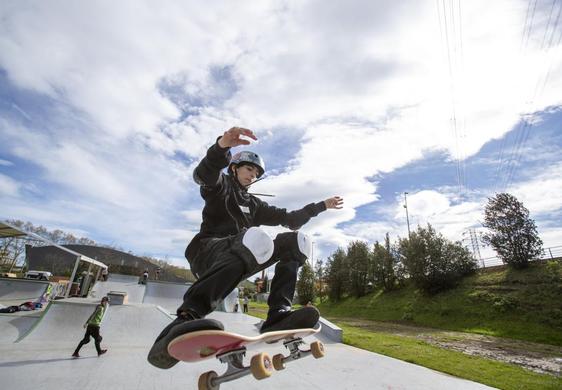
(41, 359)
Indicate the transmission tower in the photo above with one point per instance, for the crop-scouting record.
(475, 245)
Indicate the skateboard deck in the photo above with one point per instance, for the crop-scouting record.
(230, 348)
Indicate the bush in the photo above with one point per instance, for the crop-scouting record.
(433, 262)
(504, 304)
(553, 271)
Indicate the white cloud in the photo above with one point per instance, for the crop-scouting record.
(366, 86)
(426, 203)
(6, 163)
(543, 193)
(8, 186)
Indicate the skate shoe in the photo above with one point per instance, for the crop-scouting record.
(159, 356)
(306, 317)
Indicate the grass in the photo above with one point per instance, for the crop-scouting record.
(486, 371)
(518, 304)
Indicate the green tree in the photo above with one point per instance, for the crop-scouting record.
(305, 284)
(384, 265)
(359, 259)
(337, 275)
(320, 272)
(266, 285)
(512, 233)
(433, 262)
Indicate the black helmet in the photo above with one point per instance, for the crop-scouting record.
(249, 158)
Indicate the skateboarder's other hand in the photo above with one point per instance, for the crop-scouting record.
(335, 202)
(231, 137)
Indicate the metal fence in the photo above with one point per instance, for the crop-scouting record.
(554, 252)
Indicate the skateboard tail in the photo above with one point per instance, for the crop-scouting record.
(202, 345)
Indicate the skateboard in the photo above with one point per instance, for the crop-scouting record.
(230, 348)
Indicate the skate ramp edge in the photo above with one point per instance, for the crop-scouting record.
(165, 312)
(17, 291)
(331, 331)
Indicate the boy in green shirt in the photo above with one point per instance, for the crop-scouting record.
(93, 328)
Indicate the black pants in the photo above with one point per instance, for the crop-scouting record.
(222, 263)
(91, 331)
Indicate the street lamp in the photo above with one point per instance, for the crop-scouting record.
(312, 256)
(407, 218)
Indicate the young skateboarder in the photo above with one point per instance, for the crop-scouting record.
(231, 247)
(92, 326)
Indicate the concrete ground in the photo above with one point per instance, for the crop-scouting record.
(41, 360)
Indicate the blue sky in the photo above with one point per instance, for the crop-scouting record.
(105, 109)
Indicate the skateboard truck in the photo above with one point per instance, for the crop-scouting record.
(316, 350)
(260, 367)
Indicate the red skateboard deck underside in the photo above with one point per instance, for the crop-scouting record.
(196, 346)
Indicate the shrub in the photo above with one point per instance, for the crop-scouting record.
(433, 262)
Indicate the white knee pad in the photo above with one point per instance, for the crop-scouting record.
(259, 243)
(305, 244)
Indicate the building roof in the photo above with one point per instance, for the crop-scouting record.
(7, 231)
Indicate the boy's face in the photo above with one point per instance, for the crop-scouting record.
(246, 174)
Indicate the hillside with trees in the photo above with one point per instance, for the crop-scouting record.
(428, 280)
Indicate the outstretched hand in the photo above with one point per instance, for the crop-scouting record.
(231, 137)
(335, 202)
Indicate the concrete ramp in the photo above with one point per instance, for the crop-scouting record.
(123, 278)
(124, 325)
(169, 296)
(16, 291)
(123, 283)
(129, 330)
(16, 325)
(165, 294)
(231, 303)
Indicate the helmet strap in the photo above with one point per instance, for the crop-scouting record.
(234, 168)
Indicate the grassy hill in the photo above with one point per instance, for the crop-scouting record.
(520, 304)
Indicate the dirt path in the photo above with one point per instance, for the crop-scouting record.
(540, 358)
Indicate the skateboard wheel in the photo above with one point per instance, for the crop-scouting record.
(278, 362)
(261, 366)
(317, 349)
(206, 381)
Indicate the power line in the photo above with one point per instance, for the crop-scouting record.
(452, 62)
(500, 179)
(525, 125)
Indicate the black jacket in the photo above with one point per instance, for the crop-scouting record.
(229, 208)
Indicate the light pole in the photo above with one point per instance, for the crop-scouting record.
(312, 256)
(407, 217)
(312, 261)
